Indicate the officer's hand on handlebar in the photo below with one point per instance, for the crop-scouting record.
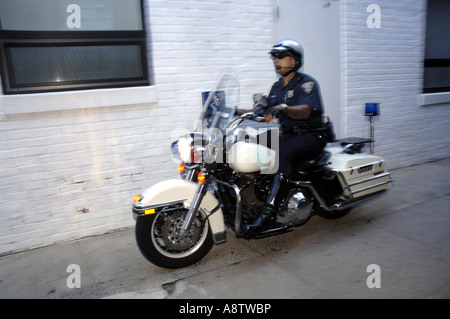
(275, 112)
(269, 118)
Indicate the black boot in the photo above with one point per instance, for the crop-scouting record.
(261, 222)
(267, 213)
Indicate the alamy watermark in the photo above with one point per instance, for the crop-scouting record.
(74, 19)
(374, 279)
(74, 279)
(243, 146)
(374, 19)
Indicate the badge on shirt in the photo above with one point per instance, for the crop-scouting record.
(308, 86)
(290, 94)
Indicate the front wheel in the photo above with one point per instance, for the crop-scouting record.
(161, 241)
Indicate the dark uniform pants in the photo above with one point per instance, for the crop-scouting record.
(297, 148)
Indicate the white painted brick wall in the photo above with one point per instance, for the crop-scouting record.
(70, 174)
(385, 65)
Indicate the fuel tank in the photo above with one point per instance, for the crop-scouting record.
(251, 147)
(248, 157)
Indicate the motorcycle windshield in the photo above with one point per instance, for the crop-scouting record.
(220, 104)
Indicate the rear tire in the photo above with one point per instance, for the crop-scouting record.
(332, 215)
(160, 241)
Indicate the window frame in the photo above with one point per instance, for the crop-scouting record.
(435, 56)
(9, 38)
(436, 63)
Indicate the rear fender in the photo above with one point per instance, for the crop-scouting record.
(178, 191)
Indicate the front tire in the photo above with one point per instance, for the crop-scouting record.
(160, 241)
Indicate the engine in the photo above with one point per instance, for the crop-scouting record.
(296, 210)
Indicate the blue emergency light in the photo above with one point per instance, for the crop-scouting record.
(372, 109)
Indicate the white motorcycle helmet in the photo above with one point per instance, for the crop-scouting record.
(291, 47)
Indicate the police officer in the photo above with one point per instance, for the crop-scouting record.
(296, 100)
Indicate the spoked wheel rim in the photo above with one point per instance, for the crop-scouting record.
(170, 241)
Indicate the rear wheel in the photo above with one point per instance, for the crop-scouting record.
(332, 215)
(161, 241)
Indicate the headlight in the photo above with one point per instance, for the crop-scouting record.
(184, 149)
(188, 151)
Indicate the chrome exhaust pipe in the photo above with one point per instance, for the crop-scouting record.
(345, 204)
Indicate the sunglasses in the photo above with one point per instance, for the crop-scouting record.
(280, 56)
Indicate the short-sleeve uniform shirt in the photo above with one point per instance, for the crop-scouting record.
(302, 89)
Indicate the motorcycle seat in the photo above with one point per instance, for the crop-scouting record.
(354, 140)
(354, 145)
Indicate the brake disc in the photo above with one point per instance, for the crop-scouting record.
(171, 233)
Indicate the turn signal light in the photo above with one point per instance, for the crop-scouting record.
(201, 178)
(181, 168)
(137, 198)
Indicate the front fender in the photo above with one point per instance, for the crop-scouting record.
(175, 191)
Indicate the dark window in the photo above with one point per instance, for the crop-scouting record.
(437, 47)
(53, 45)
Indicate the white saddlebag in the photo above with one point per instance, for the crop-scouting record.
(359, 174)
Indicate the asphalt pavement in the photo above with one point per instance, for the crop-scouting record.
(395, 247)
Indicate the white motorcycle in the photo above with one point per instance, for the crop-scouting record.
(226, 171)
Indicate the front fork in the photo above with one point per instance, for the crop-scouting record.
(201, 192)
(198, 197)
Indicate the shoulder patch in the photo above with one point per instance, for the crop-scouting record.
(308, 86)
